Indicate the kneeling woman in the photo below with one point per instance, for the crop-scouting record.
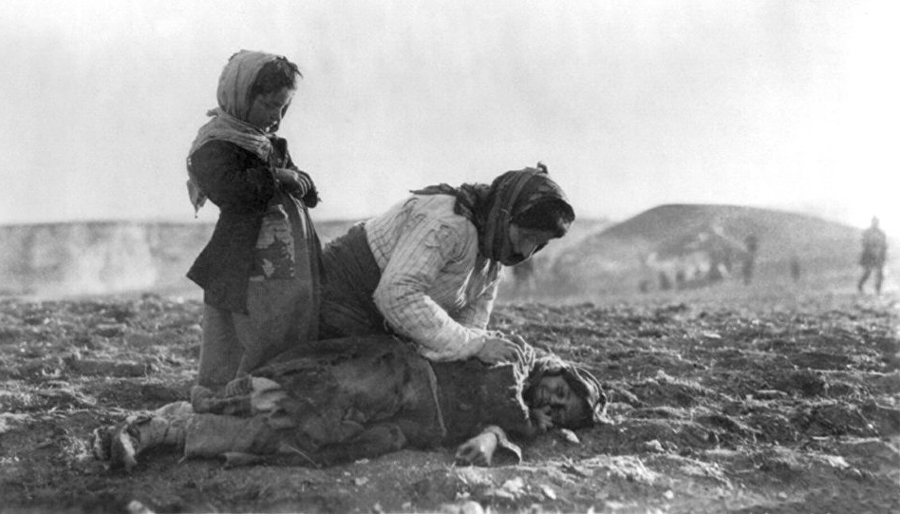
(359, 397)
(428, 268)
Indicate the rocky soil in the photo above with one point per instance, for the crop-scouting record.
(775, 403)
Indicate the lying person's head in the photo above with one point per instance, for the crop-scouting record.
(571, 394)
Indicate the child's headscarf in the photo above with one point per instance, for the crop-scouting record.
(229, 119)
(491, 208)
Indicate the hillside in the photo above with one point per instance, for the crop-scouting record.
(667, 237)
(100, 257)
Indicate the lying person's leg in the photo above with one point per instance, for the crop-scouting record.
(211, 435)
(239, 440)
(373, 442)
(121, 444)
(196, 435)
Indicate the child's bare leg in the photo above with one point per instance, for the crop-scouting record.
(281, 316)
(220, 349)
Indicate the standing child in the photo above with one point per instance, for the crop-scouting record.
(260, 271)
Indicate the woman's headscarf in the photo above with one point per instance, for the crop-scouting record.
(229, 119)
(581, 381)
(491, 208)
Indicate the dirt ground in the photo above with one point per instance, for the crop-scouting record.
(752, 404)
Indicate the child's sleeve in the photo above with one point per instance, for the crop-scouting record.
(309, 194)
(222, 171)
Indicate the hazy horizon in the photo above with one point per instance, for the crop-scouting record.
(339, 219)
(784, 105)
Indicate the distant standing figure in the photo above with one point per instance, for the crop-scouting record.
(751, 244)
(715, 272)
(664, 283)
(874, 251)
(795, 268)
(680, 279)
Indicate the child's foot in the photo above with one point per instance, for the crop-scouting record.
(243, 396)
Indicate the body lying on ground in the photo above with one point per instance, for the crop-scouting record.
(359, 397)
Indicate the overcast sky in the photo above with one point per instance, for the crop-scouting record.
(631, 104)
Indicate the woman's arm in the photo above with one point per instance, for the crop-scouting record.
(419, 258)
(478, 313)
(435, 257)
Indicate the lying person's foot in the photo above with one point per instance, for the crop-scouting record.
(121, 444)
(116, 444)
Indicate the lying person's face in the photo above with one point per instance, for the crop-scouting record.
(552, 392)
(526, 241)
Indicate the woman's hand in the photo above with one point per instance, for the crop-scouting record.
(516, 338)
(498, 349)
(478, 450)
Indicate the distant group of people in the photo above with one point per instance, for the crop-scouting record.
(872, 259)
(705, 259)
(377, 341)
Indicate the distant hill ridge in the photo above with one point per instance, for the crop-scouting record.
(616, 257)
(669, 219)
(99, 257)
